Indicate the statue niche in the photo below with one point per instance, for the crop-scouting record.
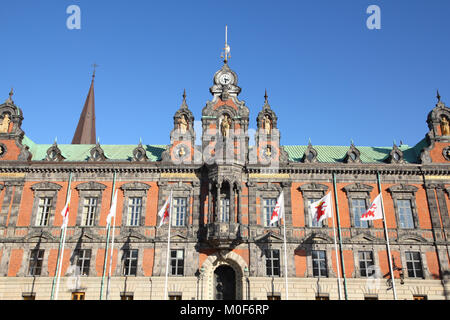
(4, 125)
(225, 125)
(445, 129)
(267, 124)
(183, 125)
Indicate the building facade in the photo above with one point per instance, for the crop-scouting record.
(222, 245)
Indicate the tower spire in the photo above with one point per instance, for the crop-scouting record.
(226, 50)
(85, 132)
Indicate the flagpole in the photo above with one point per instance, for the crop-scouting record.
(337, 260)
(61, 239)
(107, 240)
(110, 258)
(387, 239)
(168, 248)
(60, 263)
(340, 237)
(285, 254)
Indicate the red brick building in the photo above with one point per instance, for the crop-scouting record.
(224, 191)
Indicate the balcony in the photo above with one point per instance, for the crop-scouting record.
(224, 235)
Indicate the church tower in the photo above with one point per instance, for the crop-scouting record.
(85, 132)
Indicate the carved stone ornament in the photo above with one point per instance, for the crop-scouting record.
(446, 153)
(139, 153)
(97, 154)
(2, 150)
(396, 155)
(54, 153)
(310, 155)
(353, 155)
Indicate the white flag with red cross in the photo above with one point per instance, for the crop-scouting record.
(321, 209)
(164, 212)
(278, 211)
(374, 212)
(65, 211)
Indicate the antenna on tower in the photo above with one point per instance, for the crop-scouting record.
(226, 50)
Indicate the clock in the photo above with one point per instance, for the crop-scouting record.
(226, 78)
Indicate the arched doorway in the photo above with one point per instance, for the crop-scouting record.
(224, 283)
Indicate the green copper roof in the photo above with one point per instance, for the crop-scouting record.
(81, 152)
(326, 154)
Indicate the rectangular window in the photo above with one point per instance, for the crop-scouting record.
(134, 211)
(414, 264)
(29, 296)
(126, 296)
(405, 216)
(89, 211)
(130, 262)
(274, 296)
(322, 296)
(43, 214)
(175, 295)
(179, 212)
(312, 222)
(36, 257)
(268, 207)
(419, 297)
(366, 263)
(84, 261)
(224, 210)
(78, 295)
(370, 297)
(177, 262)
(358, 208)
(319, 263)
(273, 262)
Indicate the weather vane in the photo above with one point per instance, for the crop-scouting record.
(95, 67)
(226, 51)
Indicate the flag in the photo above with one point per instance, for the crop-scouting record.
(374, 212)
(278, 212)
(65, 211)
(164, 212)
(112, 210)
(321, 209)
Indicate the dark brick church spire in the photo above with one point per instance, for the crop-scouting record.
(85, 132)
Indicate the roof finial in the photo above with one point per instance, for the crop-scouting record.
(11, 93)
(95, 67)
(226, 53)
(438, 96)
(184, 95)
(265, 95)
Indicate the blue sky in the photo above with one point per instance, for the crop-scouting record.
(328, 77)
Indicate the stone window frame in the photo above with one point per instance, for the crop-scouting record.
(44, 190)
(320, 245)
(88, 190)
(312, 191)
(29, 261)
(423, 257)
(76, 253)
(184, 262)
(182, 189)
(123, 257)
(375, 255)
(405, 192)
(280, 273)
(358, 191)
(134, 190)
(326, 263)
(268, 191)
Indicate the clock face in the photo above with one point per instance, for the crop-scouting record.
(225, 79)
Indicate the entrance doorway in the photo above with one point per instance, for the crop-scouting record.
(224, 283)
